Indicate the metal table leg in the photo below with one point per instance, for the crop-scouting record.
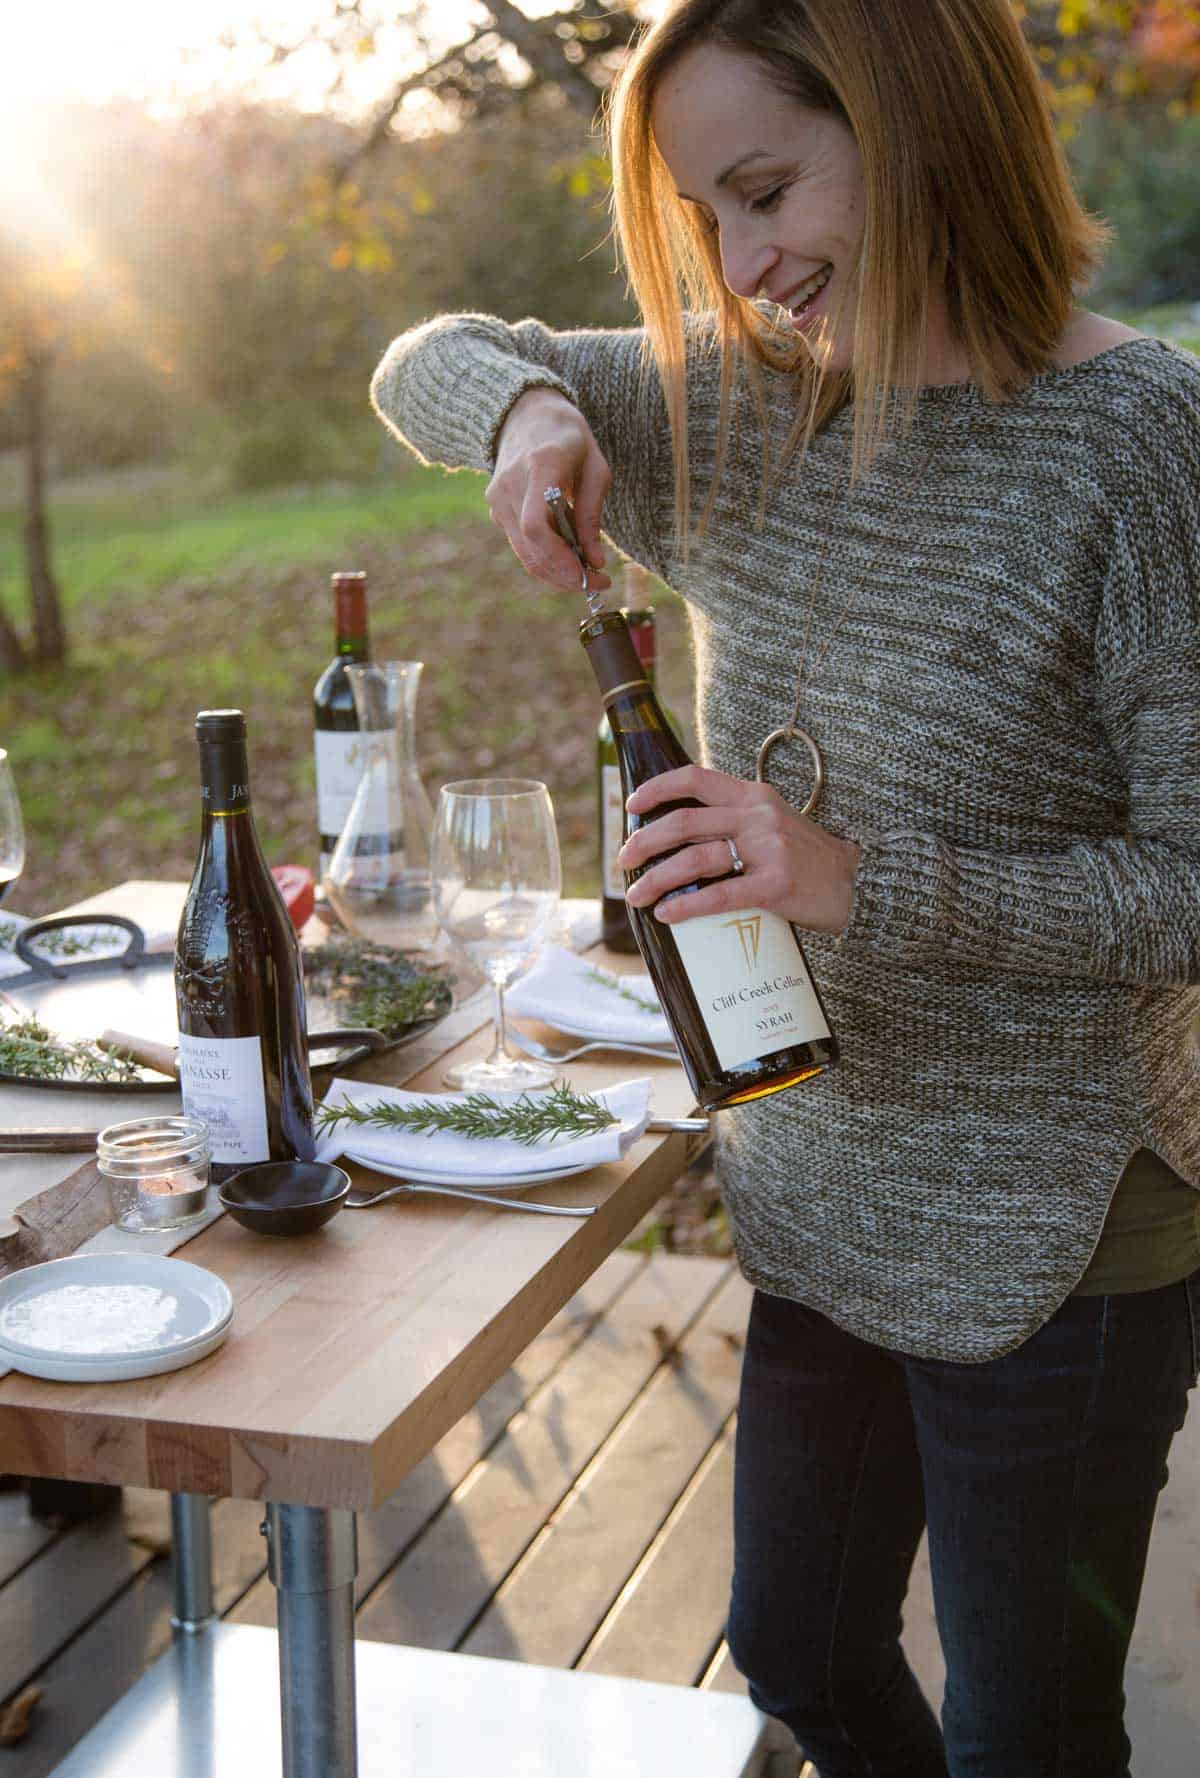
(313, 1559)
(191, 1556)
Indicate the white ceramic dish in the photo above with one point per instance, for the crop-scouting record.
(590, 1034)
(107, 1317)
(497, 1184)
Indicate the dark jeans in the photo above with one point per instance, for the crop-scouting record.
(1037, 1475)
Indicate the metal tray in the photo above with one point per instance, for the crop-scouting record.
(134, 991)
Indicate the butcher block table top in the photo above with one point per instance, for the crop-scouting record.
(354, 1349)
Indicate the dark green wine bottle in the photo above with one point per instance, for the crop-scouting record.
(339, 753)
(736, 990)
(239, 990)
(615, 929)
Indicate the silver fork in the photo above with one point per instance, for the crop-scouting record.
(360, 1200)
(545, 1052)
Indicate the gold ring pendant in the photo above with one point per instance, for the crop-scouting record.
(789, 733)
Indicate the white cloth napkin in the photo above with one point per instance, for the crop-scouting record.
(562, 989)
(447, 1152)
(101, 941)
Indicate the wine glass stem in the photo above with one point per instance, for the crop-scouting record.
(500, 1038)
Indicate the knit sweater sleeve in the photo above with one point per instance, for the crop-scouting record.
(446, 388)
(1124, 908)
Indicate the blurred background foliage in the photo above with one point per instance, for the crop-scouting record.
(235, 271)
(192, 300)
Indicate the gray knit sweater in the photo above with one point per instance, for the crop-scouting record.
(1010, 718)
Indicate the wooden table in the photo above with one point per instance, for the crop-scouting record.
(353, 1351)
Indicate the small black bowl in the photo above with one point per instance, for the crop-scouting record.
(285, 1197)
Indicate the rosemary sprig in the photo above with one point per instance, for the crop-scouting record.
(28, 1048)
(618, 987)
(371, 986)
(528, 1120)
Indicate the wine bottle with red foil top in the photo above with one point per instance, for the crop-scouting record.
(339, 748)
(239, 992)
(735, 988)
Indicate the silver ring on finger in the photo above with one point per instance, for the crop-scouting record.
(735, 858)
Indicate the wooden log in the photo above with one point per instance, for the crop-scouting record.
(57, 1221)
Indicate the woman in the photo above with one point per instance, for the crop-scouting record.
(943, 525)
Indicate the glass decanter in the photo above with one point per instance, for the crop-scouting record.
(378, 880)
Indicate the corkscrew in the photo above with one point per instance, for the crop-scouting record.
(564, 524)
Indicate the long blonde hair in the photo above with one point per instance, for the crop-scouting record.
(965, 182)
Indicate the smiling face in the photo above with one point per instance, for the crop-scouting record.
(780, 184)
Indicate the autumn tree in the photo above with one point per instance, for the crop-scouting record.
(1116, 54)
(63, 298)
(46, 317)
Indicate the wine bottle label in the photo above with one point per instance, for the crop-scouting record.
(612, 836)
(221, 1079)
(751, 983)
(341, 755)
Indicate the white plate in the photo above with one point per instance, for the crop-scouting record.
(491, 1182)
(112, 1370)
(105, 1317)
(10, 1349)
(667, 1046)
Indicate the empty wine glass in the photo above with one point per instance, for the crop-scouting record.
(496, 885)
(12, 829)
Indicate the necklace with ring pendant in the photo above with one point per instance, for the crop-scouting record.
(791, 730)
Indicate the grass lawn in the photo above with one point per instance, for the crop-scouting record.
(139, 530)
(1179, 322)
(181, 599)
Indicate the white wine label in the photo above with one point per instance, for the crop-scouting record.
(612, 836)
(222, 1081)
(751, 982)
(341, 755)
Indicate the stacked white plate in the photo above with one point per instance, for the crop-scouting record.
(496, 1183)
(108, 1317)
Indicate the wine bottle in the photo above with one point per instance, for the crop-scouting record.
(339, 749)
(735, 988)
(239, 991)
(615, 929)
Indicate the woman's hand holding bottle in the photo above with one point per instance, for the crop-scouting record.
(792, 867)
(546, 442)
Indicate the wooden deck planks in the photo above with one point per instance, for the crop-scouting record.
(435, 1593)
(548, 1608)
(21, 1538)
(666, 1623)
(75, 1577)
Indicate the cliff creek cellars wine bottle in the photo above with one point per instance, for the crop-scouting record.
(735, 987)
(339, 752)
(243, 1058)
